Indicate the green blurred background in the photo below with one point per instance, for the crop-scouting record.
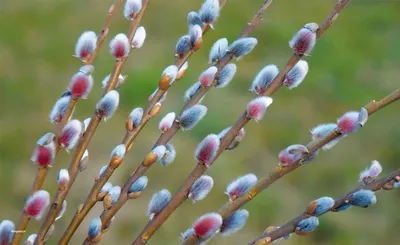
(356, 61)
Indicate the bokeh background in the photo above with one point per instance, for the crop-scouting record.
(356, 61)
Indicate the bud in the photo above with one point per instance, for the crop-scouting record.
(225, 76)
(307, 225)
(31, 239)
(304, 40)
(183, 45)
(107, 105)
(200, 188)
(320, 206)
(370, 174)
(158, 203)
(182, 71)
(62, 210)
(139, 38)
(119, 151)
(6, 232)
(80, 85)
(63, 177)
(59, 109)
(257, 107)
(194, 19)
(242, 46)
(362, 198)
(323, 130)
(169, 155)
(155, 155)
(192, 90)
(274, 228)
(166, 122)
(236, 141)
(36, 204)
(363, 116)
(342, 207)
(235, 222)
(85, 45)
(218, 50)
(114, 192)
(45, 150)
(185, 235)
(190, 117)
(240, 186)
(196, 33)
(264, 78)
(94, 232)
(49, 233)
(207, 77)
(134, 119)
(132, 8)
(208, 224)
(296, 75)
(349, 123)
(292, 155)
(84, 161)
(121, 79)
(71, 134)
(168, 76)
(119, 46)
(138, 185)
(209, 11)
(104, 191)
(101, 171)
(207, 149)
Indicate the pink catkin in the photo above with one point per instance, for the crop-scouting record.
(36, 207)
(207, 152)
(254, 110)
(206, 226)
(65, 137)
(80, 86)
(119, 50)
(303, 42)
(44, 157)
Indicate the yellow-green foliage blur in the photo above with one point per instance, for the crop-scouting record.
(357, 60)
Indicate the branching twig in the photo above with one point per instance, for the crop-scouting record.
(41, 172)
(290, 227)
(165, 137)
(83, 144)
(200, 169)
(128, 139)
(278, 172)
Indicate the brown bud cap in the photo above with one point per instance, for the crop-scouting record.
(134, 195)
(155, 110)
(107, 202)
(129, 124)
(101, 195)
(150, 159)
(129, 147)
(96, 239)
(197, 44)
(164, 82)
(116, 161)
(270, 229)
(311, 207)
(80, 207)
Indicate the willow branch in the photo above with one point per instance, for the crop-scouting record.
(165, 137)
(41, 172)
(290, 226)
(200, 169)
(278, 172)
(128, 139)
(83, 144)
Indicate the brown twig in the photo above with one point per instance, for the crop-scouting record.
(128, 139)
(278, 172)
(83, 144)
(41, 172)
(165, 137)
(200, 169)
(290, 226)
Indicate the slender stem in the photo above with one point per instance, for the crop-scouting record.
(290, 226)
(181, 195)
(41, 172)
(278, 172)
